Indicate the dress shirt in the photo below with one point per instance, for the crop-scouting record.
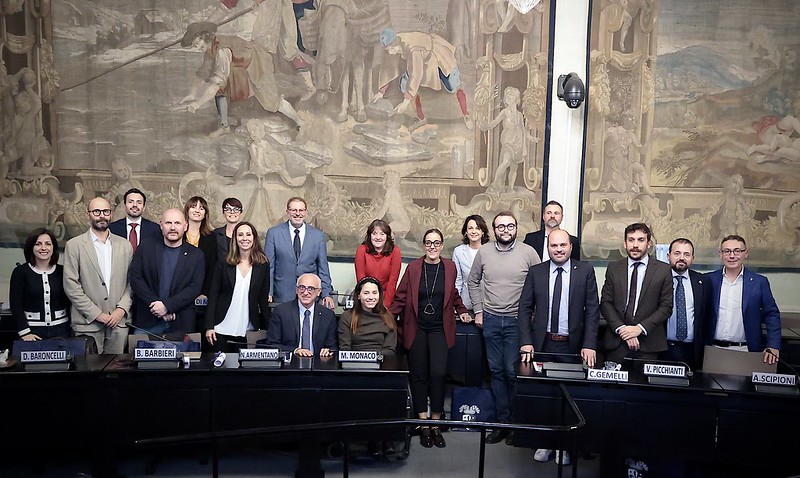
(672, 322)
(640, 279)
(546, 254)
(563, 308)
(103, 250)
(301, 310)
(730, 322)
(302, 229)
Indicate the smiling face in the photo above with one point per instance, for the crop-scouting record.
(681, 257)
(378, 239)
(308, 289)
(244, 238)
(43, 248)
(636, 244)
(733, 254)
(134, 205)
(197, 212)
(232, 213)
(505, 230)
(433, 246)
(474, 232)
(369, 296)
(296, 212)
(559, 247)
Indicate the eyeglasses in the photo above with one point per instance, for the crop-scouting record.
(231, 209)
(307, 288)
(505, 227)
(435, 244)
(100, 212)
(296, 211)
(735, 252)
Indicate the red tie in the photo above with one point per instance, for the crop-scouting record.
(133, 237)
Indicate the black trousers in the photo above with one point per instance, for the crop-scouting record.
(427, 363)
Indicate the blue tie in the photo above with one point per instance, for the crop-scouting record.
(681, 323)
(305, 335)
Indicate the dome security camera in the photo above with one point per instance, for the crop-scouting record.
(571, 90)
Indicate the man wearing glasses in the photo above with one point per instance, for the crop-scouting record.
(295, 248)
(741, 301)
(302, 326)
(96, 281)
(495, 285)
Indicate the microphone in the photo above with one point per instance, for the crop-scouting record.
(783, 362)
(689, 372)
(160, 337)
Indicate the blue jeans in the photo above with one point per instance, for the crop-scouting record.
(501, 334)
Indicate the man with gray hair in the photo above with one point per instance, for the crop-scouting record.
(304, 326)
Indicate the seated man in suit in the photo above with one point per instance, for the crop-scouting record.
(133, 226)
(552, 215)
(304, 326)
(295, 248)
(166, 276)
(741, 301)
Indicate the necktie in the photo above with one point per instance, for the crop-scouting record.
(680, 310)
(296, 244)
(556, 306)
(133, 237)
(305, 335)
(632, 294)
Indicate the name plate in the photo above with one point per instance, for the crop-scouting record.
(774, 379)
(664, 370)
(155, 354)
(354, 356)
(259, 354)
(607, 375)
(43, 356)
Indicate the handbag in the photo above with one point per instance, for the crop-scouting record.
(472, 404)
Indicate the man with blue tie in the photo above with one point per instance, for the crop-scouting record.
(685, 325)
(295, 248)
(741, 301)
(303, 326)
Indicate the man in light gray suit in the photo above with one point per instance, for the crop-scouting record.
(96, 281)
(295, 248)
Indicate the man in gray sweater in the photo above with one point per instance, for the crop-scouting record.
(495, 284)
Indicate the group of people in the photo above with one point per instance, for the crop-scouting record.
(653, 310)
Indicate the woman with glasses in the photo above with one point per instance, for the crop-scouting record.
(426, 301)
(368, 325)
(39, 306)
(378, 257)
(238, 297)
(200, 235)
(232, 210)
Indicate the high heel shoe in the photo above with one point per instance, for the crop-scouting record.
(425, 438)
(438, 439)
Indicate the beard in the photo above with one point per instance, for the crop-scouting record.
(506, 242)
(100, 225)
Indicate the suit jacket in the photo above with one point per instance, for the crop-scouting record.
(654, 306)
(406, 302)
(758, 306)
(583, 315)
(221, 294)
(208, 244)
(536, 241)
(285, 268)
(84, 283)
(147, 230)
(187, 281)
(284, 331)
(701, 289)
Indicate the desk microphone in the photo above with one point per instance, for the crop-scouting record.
(689, 372)
(161, 337)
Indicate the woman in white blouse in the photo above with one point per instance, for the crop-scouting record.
(238, 297)
(475, 233)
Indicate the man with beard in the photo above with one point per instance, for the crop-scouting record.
(96, 281)
(133, 226)
(495, 283)
(166, 277)
(692, 292)
(636, 300)
(552, 215)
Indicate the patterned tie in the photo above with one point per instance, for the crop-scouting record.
(296, 244)
(632, 294)
(133, 237)
(305, 335)
(555, 308)
(682, 324)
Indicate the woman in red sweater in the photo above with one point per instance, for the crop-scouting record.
(378, 257)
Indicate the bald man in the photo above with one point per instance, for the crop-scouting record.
(96, 281)
(166, 276)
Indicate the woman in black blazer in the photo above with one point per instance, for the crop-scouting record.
(200, 235)
(238, 297)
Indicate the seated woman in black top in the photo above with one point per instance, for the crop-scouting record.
(368, 325)
(38, 303)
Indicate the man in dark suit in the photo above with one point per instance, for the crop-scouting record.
(559, 312)
(741, 301)
(552, 215)
(636, 300)
(166, 276)
(133, 226)
(691, 291)
(303, 326)
(295, 248)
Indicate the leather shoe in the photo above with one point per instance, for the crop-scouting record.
(425, 438)
(510, 439)
(438, 439)
(496, 436)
